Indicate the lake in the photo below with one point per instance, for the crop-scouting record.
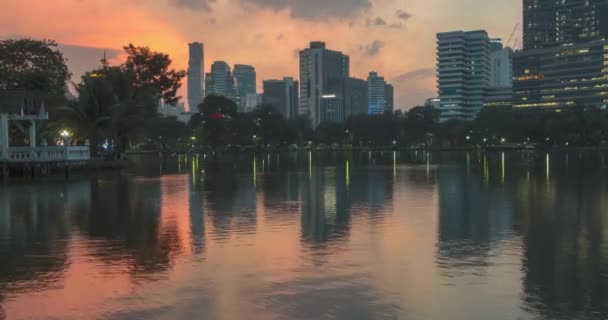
(393, 235)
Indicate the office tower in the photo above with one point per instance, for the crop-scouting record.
(376, 94)
(565, 58)
(463, 73)
(196, 72)
(548, 23)
(283, 95)
(332, 108)
(501, 63)
(389, 93)
(319, 65)
(354, 93)
(219, 81)
(434, 103)
(252, 101)
(245, 83)
(500, 92)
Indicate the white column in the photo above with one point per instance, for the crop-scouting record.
(32, 133)
(4, 141)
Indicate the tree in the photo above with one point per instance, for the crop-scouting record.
(270, 124)
(217, 119)
(35, 65)
(124, 99)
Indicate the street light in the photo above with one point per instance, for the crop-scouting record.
(503, 140)
(468, 138)
(65, 135)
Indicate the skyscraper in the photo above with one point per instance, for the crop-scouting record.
(318, 66)
(376, 93)
(245, 82)
(354, 93)
(565, 58)
(283, 95)
(219, 81)
(332, 108)
(548, 23)
(502, 65)
(390, 98)
(464, 71)
(196, 71)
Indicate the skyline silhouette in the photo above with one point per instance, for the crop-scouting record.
(394, 38)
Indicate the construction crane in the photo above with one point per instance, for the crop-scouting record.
(508, 44)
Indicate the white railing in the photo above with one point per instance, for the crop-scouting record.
(48, 154)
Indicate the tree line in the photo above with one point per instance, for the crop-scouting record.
(118, 105)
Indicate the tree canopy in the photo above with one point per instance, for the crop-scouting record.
(35, 65)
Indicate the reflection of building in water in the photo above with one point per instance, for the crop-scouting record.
(372, 186)
(230, 201)
(325, 208)
(35, 225)
(565, 232)
(471, 218)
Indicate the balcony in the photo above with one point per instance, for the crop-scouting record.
(46, 154)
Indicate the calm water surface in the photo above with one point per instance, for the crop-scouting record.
(313, 236)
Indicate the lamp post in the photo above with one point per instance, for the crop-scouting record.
(65, 135)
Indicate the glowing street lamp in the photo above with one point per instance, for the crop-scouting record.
(503, 140)
(65, 136)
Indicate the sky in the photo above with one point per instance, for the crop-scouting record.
(396, 38)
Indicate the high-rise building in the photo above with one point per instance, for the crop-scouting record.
(252, 101)
(332, 108)
(464, 72)
(376, 93)
(319, 65)
(354, 93)
(283, 95)
(565, 58)
(219, 81)
(548, 23)
(245, 83)
(502, 64)
(389, 92)
(196, 72)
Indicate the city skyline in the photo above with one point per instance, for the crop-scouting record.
(395, 38)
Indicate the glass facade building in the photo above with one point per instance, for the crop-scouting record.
(565, 58)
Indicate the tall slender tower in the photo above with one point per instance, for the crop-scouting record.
(196, 73)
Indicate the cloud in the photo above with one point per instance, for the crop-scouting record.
(373, 48)
(415, 86)
(403, 15)
(194, 5)
(314, 9)
(415, 75)
(378, 22)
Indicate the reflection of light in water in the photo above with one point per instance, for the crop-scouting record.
(347, 173)
(255, 172)
(486, 170)
(502, 163)
(468, 164)
(370, 157)
(394, 164)
(428, 165)
(310, 164)
(548, 167)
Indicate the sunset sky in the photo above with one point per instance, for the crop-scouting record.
(394, 37)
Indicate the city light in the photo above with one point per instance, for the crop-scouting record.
(65, 134)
